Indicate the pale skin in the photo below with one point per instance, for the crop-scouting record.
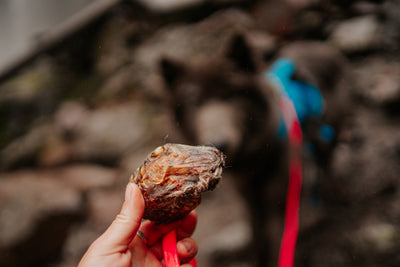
(120, 245)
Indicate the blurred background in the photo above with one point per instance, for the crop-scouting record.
(82, 104)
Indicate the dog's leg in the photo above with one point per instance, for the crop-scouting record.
(256, 252)
(259, 248)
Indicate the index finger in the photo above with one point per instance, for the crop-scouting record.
(184, 228)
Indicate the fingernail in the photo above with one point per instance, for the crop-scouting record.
(188, 246)
(128, 192)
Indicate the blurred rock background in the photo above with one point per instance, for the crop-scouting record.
(82, 115)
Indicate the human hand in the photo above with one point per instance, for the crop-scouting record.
(120, 245)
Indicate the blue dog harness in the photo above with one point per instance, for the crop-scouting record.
(306, 98)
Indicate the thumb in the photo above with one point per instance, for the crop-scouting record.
(123, 229)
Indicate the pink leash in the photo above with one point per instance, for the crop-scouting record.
(171, 257)
(290, 232)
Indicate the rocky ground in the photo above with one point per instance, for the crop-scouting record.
(80, 119)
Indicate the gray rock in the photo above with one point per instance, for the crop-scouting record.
(24, 148)
(103, 205)
(84, 177)
(188, 42)
(39, 209)
(107, 133)
(379, 80)
(358, 34)
(366, 165)
(28, 99)
(36, 214)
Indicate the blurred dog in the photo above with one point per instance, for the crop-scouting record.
(225, 101)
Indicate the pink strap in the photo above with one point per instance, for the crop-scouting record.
(171, 258)
(193, 262)
(290, 232)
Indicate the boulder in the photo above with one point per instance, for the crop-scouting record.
(358, 34)
(36, 215)
(379, 80)
(40, 207)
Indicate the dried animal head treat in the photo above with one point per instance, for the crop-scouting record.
(173, 177)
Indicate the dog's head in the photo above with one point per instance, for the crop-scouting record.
(225, 101)
(220, 101)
